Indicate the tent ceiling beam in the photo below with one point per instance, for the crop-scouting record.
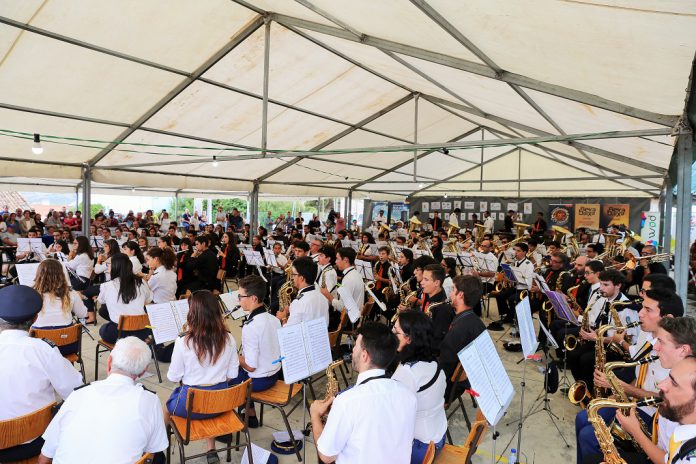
(140, 171)
(340, 135)
(450, 192)
(475, 68)
(37, 161)
(474, 181)
(245, 32)
(409, 161)
(575, 144)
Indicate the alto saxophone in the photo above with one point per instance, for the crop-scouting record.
(600, 353)
(286, 291)
(602, 432)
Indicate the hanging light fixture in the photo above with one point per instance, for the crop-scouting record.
(445, 195)
(420, 186)
(36, 148)
(215, 162)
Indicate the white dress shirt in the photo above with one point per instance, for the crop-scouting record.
(128, 419)
(30, 371)
(163, 285)
(260, 344)
(665, 429)
(52, 315)
(681, 434)
(372, 422)
(108, 295)
(453, 219)
(431, 420)
(655, 374)
(187, 368)
(354, 283)
(487, 263)
(525, 270)
(327, 273)
(488, 225)
(137, 265)
(447, 286)
(82, 265)
(310, 304)
(104, 268)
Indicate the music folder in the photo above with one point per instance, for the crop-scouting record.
(167, 319)
(487, 377)
(304, 349)
(560, 306)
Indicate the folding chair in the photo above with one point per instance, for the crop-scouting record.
(462, 454)
(146, 459)
(279, 397)
(126, 324)
(224, 402)
(14, 432)
(63, 337)
(429, 454)
(458, 377)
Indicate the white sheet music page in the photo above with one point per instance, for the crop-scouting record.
(26, 273)
(318, 347)
(349, 303)
(292, 348)
(182, 309)
(480, 383)
(258, 455)
(164, 326)
(230, 300)
(494, 366)
(527, 334)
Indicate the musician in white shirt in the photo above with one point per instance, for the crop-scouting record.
(103, 265)
(508, 297)
(679, 393)
(488, 223)
(352, 281)
(309, 303)
(135, 254)
(81, 263)
(326, 276)
(162, 280)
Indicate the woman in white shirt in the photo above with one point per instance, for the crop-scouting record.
(125, 294)
(135, 254)
(164, 222)
(81, 262)
(450, 266)
(419, 371)
(205, 357)
(162, 281)
(59, 302)
(103, 265)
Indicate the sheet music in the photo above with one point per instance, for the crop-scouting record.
(487, 377)
(318, 347)
(258, 455)
(365, 269)
(349, 303)
(345, 243)
(527, 333)
(26, 273)
(354, 244)
(30, 244)
(549, 337)
(96, 241)
(292, 348)
(374, 248)
(509, 272)
(270, 257)
(182, 309)
(560, 306)
(230, 300)
(164, 324)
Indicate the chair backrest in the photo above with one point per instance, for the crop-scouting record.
(429, 454)
(131, 323)
(146, 459)
(459, 375)
(335, 337)
(475, 437)
(218, 401)
(21, 429)
(60, 337)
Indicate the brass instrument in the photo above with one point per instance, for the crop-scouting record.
(414, 224)
(617, 321)
(559, 233)
(658, 258)
(610, 247)
(520, 227)
(286, 292)
(452, 230)
(388, 291)
(405, 294)
(384, 228)
(480, 232)
(331, 387)
(630, 239)
(571, 341)
(600, 353)
(620, 395)
(602, 431)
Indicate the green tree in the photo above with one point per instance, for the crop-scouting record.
(94, 208)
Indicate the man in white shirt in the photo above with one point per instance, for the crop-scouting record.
(327, 277)
(679, 405)
(31, 370)
(352, 281)
(309, 304)
(509, 296)
(314, 247)
(454, 218)
(488, 223)
(127, 416)
(373, 421)
(277, 274)
(380, 219)
(487, 265)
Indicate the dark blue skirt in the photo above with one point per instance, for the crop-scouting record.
(176, 404)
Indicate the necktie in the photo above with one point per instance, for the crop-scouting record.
(673, 447)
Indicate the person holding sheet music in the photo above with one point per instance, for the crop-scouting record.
(509, 296)
(375, 420)
(60, 303)
(352, 280)
(81, 263)
(124, 294)
(260, 347)
(436, 305)
(419, 371)
(309, 303)
(204, 357)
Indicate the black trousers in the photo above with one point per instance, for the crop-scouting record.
(559, 330)
(22, 452)
(109, 331)
(506, 300)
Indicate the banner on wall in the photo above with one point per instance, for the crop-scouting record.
(399, 212)
(561, 215)
(587, 216)
(614, 215)
(378, 206)
(650, 227)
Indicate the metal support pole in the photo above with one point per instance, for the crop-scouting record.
(176, 207)
(266, 62)
(349, 209)
(483, 137)
(77, 197)
(254, 208)
(667, 216)
(86, 199)
(416, 97)
(519, 171)
(681, 252)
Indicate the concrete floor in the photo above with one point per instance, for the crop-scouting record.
(541, 441)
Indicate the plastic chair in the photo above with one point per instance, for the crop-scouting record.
(462, 454)
(146, 459)
(224, 402)
(25, 428)
(62, 337)
(429, 454)
(126, 324)
(279, 397)
(458, 377)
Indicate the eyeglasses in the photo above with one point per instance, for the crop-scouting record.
(294, 274)
(243, 296)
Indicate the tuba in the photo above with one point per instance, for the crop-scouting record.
(414, 224)
(480, 232)
(520, 227)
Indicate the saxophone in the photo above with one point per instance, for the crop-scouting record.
(600, 353)
(405, 294)
(286, 291)
(602, 432)
(572, 341)
(578, 393)
(620, 395)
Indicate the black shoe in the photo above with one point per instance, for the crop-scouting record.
(253, 422)
(512, 346)
(212, 457)
(496, 326)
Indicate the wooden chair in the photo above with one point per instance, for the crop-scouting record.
(63, 337)
(462, 454)
(429, 454)
(24, 428)
(126, 324)
(279, 397)
(146, 459)
(224, 402)
(458, 377)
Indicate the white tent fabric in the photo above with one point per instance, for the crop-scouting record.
(344, 76)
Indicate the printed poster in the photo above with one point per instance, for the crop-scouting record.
(501, 216)
(446, 205)
(425, 207)
(431, 215)
(457, 204)
(495, 206)
(587, 215)
(512, 206)
(483, 205)
(650, 227)
(468, 205)
(615, 214)
(561, 215)
(527, 208)
(434, 205)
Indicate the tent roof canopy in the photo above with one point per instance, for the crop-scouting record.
(386, 99)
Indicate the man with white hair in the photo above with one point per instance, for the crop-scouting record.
(127, 417)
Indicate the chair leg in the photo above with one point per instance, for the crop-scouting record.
(82, 369)
(229, 450)
(261, 416)
(159, 375)
(466, 416)
(292, 437)
(96, 363)
(449, 437)
(169, 444)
